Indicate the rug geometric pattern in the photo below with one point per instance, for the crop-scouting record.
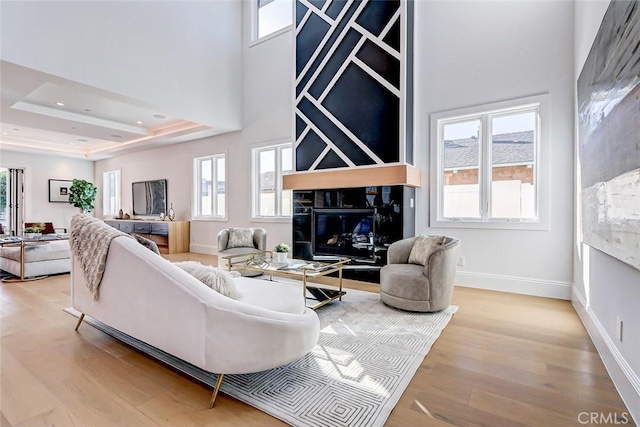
(365, 358)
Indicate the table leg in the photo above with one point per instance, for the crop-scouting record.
(22, 260)
(304, 286)
(340, 277)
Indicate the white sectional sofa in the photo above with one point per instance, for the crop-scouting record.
(152, 300)
(48, 257)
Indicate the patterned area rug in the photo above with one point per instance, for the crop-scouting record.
(365, 358)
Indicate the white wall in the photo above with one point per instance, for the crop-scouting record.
(267, 118)
(471, 53)
(606, 288)
(181, 57)
(39, 169)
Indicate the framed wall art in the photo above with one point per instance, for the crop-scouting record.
(59, 190)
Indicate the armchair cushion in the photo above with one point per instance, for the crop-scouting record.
(423, 247)
(240, 238)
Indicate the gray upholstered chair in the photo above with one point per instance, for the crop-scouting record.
(415, 287)
(259, 243)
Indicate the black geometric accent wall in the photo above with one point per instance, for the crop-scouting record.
(353, 60)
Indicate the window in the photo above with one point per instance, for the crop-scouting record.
(209, 186)
(487, 165)
(111, 192)
(271, 17)
(269, 164)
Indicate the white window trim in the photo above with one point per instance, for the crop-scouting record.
(195, 194)
(541, 159)
(255, 183)
(118, 173)
(253, 35)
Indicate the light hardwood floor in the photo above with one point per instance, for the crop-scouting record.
(504, 360)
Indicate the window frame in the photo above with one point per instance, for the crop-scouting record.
(485, 113)
(196, 214)
(255, 182)
(118, 190)
(254, 39)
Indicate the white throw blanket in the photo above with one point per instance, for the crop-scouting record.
(90, 239)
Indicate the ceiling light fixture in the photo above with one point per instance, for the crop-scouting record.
(87, 109)
(72, 143)
(82, 140)
(60, 104)
(159, 116)
(117, 136)
(5, 133)
(139, 122)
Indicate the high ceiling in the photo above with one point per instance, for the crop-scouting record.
(43, 113)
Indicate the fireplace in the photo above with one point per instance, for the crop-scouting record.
(358, 223)
(344, 232)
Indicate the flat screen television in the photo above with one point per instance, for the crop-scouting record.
(149, 197)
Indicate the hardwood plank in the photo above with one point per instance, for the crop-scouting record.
(59, 416)
(3, 421)
(518, 411)
(94, 405)
(23, 396)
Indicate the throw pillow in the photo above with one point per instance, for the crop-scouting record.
(218, 280)
(423, 247)
(147, 243)
(240, 238)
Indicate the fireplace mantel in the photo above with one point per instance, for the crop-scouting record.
(354, 177)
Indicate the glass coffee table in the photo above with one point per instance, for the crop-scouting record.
(295, 269)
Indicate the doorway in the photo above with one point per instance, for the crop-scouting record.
(11, 200)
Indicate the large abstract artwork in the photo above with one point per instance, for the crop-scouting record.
(609, 135)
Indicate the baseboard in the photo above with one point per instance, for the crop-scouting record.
(624, 378)
(514, 284)
(203, 249)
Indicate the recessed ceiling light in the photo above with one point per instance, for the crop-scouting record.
(139, 122)
(5, 133)
(16, 129)
(117, 136)
(159, 116)
(60, 104)
(72, 143)
(87, 109)
(82, 140)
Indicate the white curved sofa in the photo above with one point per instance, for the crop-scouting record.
(152, 300)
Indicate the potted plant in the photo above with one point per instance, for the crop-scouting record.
(82, 194)
(282, 249)
(34, 231)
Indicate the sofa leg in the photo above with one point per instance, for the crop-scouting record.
(79, 321)
(215, 390)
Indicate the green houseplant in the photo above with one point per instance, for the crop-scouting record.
(282, 249)
(82, 194)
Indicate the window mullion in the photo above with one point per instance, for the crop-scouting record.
(485, 193)
(278, 185)
(214, 186)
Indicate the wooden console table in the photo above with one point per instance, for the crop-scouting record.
(170, 236)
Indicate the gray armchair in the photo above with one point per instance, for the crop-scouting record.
(259, 242)
(414, 287)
